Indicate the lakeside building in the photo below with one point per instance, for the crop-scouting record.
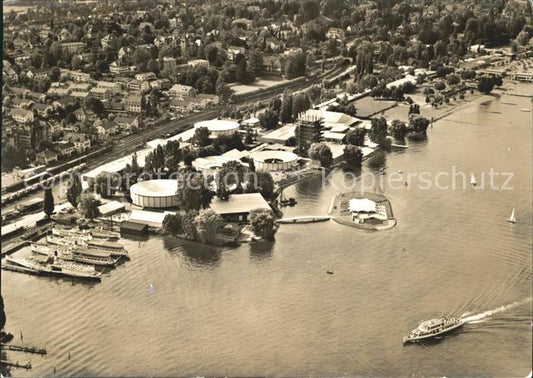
(281, 135)
(238, 206)
(269, 160)
(155, 193)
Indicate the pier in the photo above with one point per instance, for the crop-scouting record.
(23, 348)
(26, 366)
(305, 219)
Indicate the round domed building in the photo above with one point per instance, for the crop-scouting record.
(267, 160)
(154, 193)
(218, 127)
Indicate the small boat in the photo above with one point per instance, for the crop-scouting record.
(432, 328)
(512, 218)
(329, 272)
(473, 181)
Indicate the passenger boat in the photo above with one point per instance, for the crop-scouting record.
(91, 256)
(53, 266)
(57, 240)
(63, 232)
(114, 248)
(99, 232)
(432, 328)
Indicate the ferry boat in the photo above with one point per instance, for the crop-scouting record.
(91, 256)
(98, 232)
(114, 248)
(54, 266)
(432, 328)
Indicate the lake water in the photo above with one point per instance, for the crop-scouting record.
(180, 308)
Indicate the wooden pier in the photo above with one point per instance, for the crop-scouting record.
(23, 348)
(16, 364)
(305, 219)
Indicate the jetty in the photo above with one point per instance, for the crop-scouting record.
(26, 366)
(305, 219)
(23, 348)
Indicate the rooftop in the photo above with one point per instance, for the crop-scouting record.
(239, 203)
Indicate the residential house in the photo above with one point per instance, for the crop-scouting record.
(106, 128)
(100, 93)
(198, 63)
(113, 87)
(160, 84)
(117, 69)
(43, 110)
(133, 103)
(182, 91)
(21, 103)
(80, 140)
(46, 157)
(335, 33)
(80, 115)
(79, 88)
(22, 115)
(58, 90)
(65, 148)
(73, 47)
(145, 76)
(165, 41)
(39, 75)
(126, 123)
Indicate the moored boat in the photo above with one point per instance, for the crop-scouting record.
(432, 328)
(116, 249)
(91, 256)
(52, 266)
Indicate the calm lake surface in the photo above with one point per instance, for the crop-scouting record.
(270, 308)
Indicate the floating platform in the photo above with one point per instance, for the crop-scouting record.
(305, 219)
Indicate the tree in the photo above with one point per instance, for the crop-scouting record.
(398, 129)
(2, 313)
(48, 202)
(172, 224)
(285, 114)
(356, 137)
(300, 104)
(418, 124)
(207, 223)
(485, 84)
(452, 79)
(378, 131)
(295, 66)
(322, 153)
(353, 156)
(201, 136)
(88, 206)
(241, 72)
(74, 189)
(264, 184)
(230, 174)
(255, 62)
(94, 105)
(269, 119)
(263, 223)
(193, 192)
(105, 184)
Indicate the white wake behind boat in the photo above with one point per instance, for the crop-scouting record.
(512, 218)
(473, 180)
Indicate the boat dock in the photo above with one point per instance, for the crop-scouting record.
(305, 219)
(26, 366)
(22, 348)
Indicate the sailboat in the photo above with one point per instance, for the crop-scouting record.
(512, 218)
(473, 180)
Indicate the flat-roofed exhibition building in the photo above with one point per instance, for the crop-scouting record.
(268, 160)
(155, 193)
(218, 127)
